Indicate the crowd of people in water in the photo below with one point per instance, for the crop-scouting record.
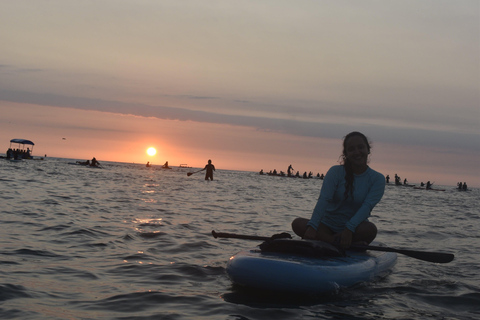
(290, 173)
(165, 166)
(17, 154)
(91, 163)
(398, 181)
(428, 185)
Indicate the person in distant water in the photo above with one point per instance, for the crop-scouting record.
(429, 185)
(397, 180)
(166, 164)
(464, 187)
(148, 164)
(387, 179)
(405, 181)
(261, 171)
(289, 170)
(210, 168)
(94, 163)
(85, 163)
(349, 193)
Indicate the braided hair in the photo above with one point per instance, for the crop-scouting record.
(346, 162)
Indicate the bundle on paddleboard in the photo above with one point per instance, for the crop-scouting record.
(302, 248)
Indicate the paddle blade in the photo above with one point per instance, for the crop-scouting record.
(437, 257)
(189, 174)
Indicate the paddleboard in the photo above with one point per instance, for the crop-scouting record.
(433, 189)
(290, 273)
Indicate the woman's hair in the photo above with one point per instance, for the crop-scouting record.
(346, 163)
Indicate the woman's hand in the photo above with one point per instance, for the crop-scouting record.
(310, 234)
(346, 238)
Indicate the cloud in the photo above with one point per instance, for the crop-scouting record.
(428, 137)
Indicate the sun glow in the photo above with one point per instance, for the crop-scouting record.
(151, 151)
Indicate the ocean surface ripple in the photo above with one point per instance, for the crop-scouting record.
(129, 242)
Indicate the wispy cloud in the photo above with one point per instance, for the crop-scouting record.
(428, 137)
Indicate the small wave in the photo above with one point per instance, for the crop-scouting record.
(140, 301)
(39, 253)
(151, 235)
(69, 273)
(11, 291)
(89, 232)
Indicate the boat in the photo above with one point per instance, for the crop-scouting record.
(183, 165)
(20, 149)
(302, 274)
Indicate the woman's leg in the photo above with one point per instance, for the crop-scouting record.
(365, 232)
(299, 226)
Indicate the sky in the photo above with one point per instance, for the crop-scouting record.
(249, 84)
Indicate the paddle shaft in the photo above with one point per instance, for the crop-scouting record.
(437, 257)
(190, 173)
(238, 236)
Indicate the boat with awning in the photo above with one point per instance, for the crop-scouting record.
(20, 149)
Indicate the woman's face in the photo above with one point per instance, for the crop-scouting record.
(356, 151)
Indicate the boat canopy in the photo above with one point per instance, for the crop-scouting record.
(22, 141)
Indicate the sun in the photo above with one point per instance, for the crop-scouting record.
(151, 151)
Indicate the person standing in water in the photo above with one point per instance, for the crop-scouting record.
(349, 193)
(289, 170)
(210, 168)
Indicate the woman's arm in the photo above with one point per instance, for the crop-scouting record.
(329, 186)
(374, 196)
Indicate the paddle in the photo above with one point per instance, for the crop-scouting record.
(190, 173)
(283, 235)
(437, 257)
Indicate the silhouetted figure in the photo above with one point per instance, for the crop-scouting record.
(397, 180)
(387, 179)
(94, 163)
(210, 168)
(289, 170)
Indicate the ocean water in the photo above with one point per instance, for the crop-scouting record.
(130, 242)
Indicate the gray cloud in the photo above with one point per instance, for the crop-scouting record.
(323, 129)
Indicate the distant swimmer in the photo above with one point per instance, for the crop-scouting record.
(210, 168)
(429, 185)
(165, 165)
(148, 164)
(94, 163)
(387, 179)
(84, 163)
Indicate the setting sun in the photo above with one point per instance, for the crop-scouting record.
(151, 151)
